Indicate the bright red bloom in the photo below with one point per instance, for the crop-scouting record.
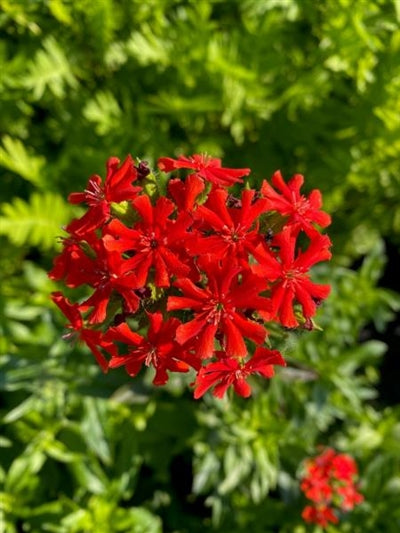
(158, 349)
(302, 211)
(206, 167)
(316, 486)
(349, 496)
(67, 259)
(220, 264)
(289, 274)
(92, 338)
(155, 241)
(229, 231)
(185, 192)
(216, 308)
(344, 467)
(329, 482)
(117, 188)
(321, 515)
(230, 371)
(106, 273)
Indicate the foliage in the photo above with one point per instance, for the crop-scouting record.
(292, 84)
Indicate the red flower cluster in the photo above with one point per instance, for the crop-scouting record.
(329, 482)
(189, 278)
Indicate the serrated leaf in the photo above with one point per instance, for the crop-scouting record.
(50, 69)
(147, 48)
(37, 222)
(104, 111)
(15, 157)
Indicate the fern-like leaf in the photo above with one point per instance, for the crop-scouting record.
(35, 223)
(15, 157)
(104, 111)
(50, 69)
(147, 48)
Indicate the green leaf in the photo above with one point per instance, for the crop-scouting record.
(37, 222)
(104, 111)
(93, 429)
(23, 469)
(15, 157)
(50, 69)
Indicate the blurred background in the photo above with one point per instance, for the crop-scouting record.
(296, 85)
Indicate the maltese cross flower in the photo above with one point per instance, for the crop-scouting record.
(230, 371)
(216, 308)
(206, 167)
(117, 188)
(154, 242)
(329, 481)
(302, 211)
(158, 349)
(92, 338)
(234, 231)
(289, 276)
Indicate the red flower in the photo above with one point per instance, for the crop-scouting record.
(230, 371)
(206, 167)
(68, 260)
(200, 255)
(234, 231)
(92, 338)
(302, 211)
(321, 515)
(117, 188)
(289, 274)
(106, 273)
(158, 349)
(344, 467)
(329, 481)
(185, 192)
(316, 486)
(155, 241)
(216, 307)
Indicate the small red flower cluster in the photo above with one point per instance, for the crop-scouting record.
(188, 277)
(329, 482)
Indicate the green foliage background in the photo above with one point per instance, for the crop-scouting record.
(304, 86)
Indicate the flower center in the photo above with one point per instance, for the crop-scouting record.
(151, 357)
(94, 194)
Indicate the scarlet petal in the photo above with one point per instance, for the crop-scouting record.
(76, 197)
(187, 331)
(71, 311)
(122, 333)
(94, 218)
(143, 205)
(101, 360)
(307, 303)
(205, 344)
(204, 381)
(250, 329)
(118, 183)
(188, 287)
(156, 321)
(235, 345)
(161, 275)
(263, 360)
(180, 302)
(221, 387)
(174, 264)
(167, 164)
(242, 388)
(286, 313)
